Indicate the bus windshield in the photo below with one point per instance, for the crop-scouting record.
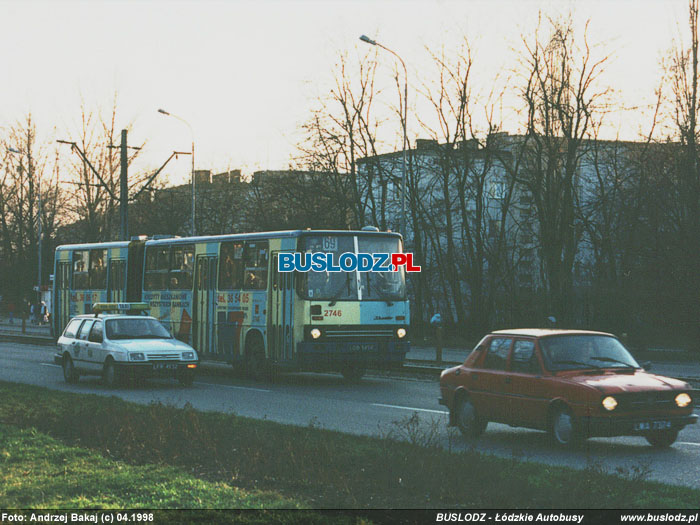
(344, 286)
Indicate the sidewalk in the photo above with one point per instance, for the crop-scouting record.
(16, 327)
(456, 356)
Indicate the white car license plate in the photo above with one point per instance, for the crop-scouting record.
(652, 425)
(164, 366)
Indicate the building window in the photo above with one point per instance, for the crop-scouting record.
(497, 190)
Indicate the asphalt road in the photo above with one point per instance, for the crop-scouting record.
(375, 406)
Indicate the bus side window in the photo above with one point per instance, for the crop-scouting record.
(255, 265)
(182, 268)
(157, 266)
(81, 280)
(98, 270)
(230, 265)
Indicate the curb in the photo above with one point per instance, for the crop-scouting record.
(28, 339)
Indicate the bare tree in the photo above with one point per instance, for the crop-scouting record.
(562, 103)
(341, 133)
(24, 176)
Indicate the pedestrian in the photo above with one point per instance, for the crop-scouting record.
(436, 320)
(32, 313)
(436, 323)
(44, 312)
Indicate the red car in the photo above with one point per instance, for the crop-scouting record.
(575, 384)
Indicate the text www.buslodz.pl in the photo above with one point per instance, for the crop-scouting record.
(346, 262)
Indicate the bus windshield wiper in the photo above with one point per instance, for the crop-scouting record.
(381, 293)
(339, 292)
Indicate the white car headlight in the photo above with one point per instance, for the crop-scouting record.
(136, 356)
(683, 400)
(609, 403)
(401, 333)
(188, 356)
(315, 333)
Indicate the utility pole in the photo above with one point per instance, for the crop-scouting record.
(124, 191)
(123, 180)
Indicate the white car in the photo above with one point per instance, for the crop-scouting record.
(122, 345)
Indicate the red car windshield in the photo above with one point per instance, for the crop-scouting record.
(581, 351)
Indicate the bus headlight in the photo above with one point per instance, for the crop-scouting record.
(188, 356)
(401, 333)
(136, 356)
(609, 403)
(683, 400)
(315, 333)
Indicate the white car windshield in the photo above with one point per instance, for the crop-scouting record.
(135, 329)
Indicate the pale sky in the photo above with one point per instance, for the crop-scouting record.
(247, 74)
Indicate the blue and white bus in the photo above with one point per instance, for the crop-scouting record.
(224, 296)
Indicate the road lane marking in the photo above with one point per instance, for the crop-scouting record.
(50, 364)
(410, 408)
(232, 386)
(688, 443)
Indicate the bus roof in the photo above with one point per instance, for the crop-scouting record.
(225, 237)
(93, 246)
(263, 235)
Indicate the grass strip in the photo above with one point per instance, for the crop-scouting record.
(41, 472)
(321, 468)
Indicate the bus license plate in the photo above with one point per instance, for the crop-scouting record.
(652, 425)
(164, 366)
(359, 347)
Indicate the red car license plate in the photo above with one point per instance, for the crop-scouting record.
(164, 366)
(652, 425)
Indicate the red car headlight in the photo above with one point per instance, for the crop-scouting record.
(683, 400)
(609, 403)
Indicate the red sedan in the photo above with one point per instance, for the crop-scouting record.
(575, 384)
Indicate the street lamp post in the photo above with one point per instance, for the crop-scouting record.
(193, 230)
(368, 40)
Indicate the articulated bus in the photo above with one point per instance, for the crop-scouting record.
(224, 296)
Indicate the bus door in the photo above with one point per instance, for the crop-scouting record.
(62, 307)
(117, 280)
(281, 308)
(203, 307)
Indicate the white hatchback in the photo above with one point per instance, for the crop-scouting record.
(116, 346)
